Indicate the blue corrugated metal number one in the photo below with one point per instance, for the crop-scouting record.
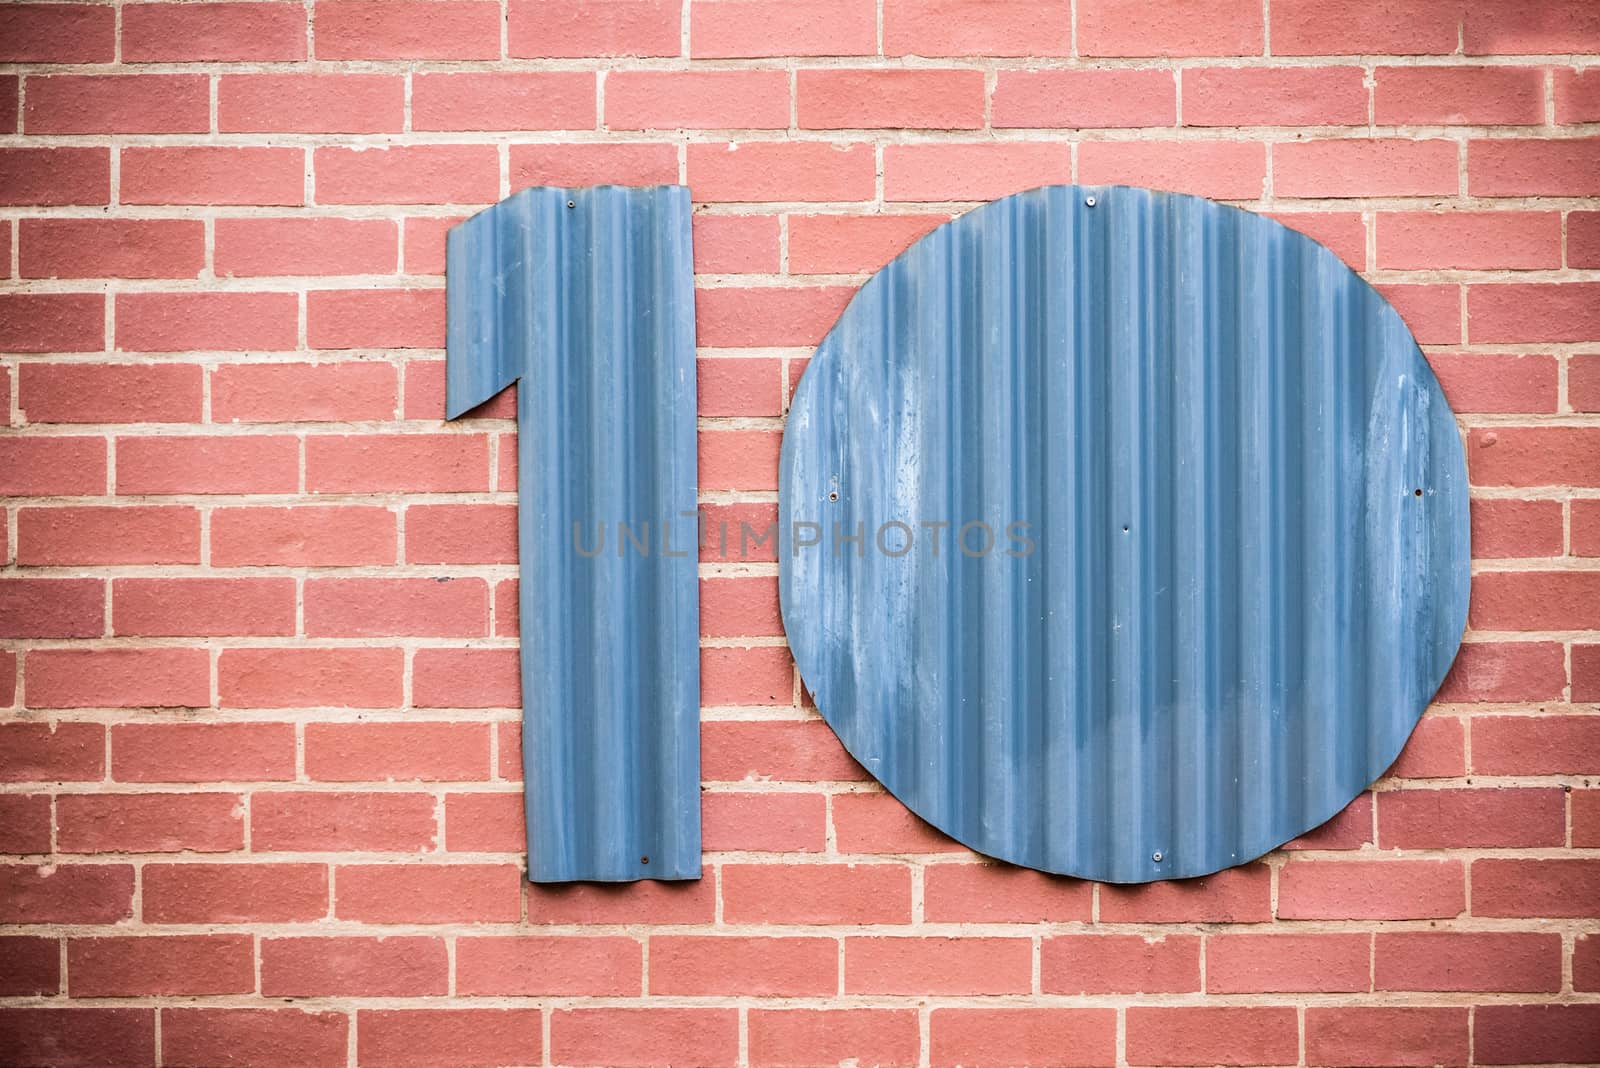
(585, 298)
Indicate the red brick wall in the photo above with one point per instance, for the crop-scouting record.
(261, 797)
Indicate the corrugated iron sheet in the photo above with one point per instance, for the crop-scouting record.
(586, 297)
(1247, 500)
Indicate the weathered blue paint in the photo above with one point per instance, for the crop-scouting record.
(1247, 499)
(585, 297)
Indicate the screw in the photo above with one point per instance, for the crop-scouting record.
(833, 496)
(572, 203)
(1156, 856)
(644, 860)
(1089, 201)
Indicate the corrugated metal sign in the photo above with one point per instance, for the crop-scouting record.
(1127, 532)
(586, 296)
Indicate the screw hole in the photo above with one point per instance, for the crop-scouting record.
(1416, 492)
(833, 496)
(1124, 529)
(644, 860)
(1089, 201)
(572, 203)
(1156, 857)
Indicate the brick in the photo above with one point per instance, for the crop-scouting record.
(1406, 27)
(32, 966)
(797, 1038)
(425, 388)
(402, 1037)
(1199, 28)
(1534, 456)
(309, 535)
(173, 964)
(377, 752)
(466, 678)
(310, 103)
(1287, 963)
(45, 177)
(111, 248)
(1526, 167)
(428, 893)
(1035, 1035)
(628, 1037)
(212, 174)
(310, 678)
(1364, 168)
(315, 245)
(1555, 26)
(976, 171)
(149, 823)
(1583, 383)
(281, 393)
(816, 894)
(485, 822)
(234, 893)
(1586, 528)
(1427, 240)
(1583, 250)
(1001, 893)
(376, 607)
(1529, 1034)
(1586, 963)
(543, 100)
(969, 28)
(924, 966)
(764, 822)
(375, 318)
(52, 322)
(739, 532)
(1371, 889)
(1536, 600)
(778, 750)
(226, 32)
(1545, 888)
(1074, 99)
(1506, 671)
(423, 245)
(879, 823)
(1350, 828)
(118, 103)
(1343, 232)
(278, 1037)
(1538, 744)
(1586, 673)
(1287, 96)
(743, 29)
(1441, 96)
(202, 752)
(536, 965)
(461, 534)
(622, 903)
(79, 1037)
(403, 29)
(763, 675)
(1373, 1035)
(697, 100)
(397, 463)
(594, 164)
(1480, 817)
(1496, 382)
(760, 316)
(697, 965)
(730, 244)
(782, 171)
(210, 464)
(841, 99)
(1235, 895)
(1471, 961)
(1223, 170)
(25, 821)
(742, 460)
(8, 671)
(1576, 94)
(203, 607)
(1432, 312)
(52, 752)
(1212, 1034)
(354, 967)
(118, 678)
(322, 821)
(51, 607)
(57, 33)
(1437, 749)
(557, 29)
(408, 174)
(182, 322)
(1119, 964)
(1534, 312)
(66, 893)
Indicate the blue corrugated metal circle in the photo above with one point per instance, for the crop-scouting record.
(586, 296)
(1163, 532)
